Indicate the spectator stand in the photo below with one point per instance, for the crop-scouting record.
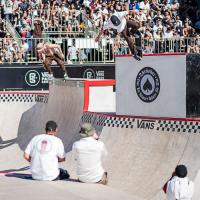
(166, 27)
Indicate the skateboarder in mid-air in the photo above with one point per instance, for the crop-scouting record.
(47, 53)
(127, 28)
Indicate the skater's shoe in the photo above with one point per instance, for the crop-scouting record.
(137, 57)
(66, 76)
(51, 77)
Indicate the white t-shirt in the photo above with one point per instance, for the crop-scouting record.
(180, 189)
(108, 24)
(86, 3)
(25, 46)
(144, 7)
(104, 11)
(89, 154)
(72, 52)
(44, 151)
(7, 6)
(168, 35)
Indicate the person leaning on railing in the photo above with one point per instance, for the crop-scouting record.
(192, 47)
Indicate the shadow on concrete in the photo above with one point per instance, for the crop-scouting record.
(7, 143)
(72, 180)
(20, 175)
(15, 170)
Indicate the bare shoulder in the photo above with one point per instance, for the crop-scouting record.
(47, 45)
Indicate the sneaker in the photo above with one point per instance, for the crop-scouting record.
(137, 57)
(66, 76)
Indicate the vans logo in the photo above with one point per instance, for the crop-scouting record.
(146, 124)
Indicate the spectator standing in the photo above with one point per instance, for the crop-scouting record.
(144, 6)
(24, 49)
(82, 55)
(38, 27)
(158, 25)
(17, 54)
(158, 37)
(23, 6)
(192, 48)
(72, 53)
(8, 12)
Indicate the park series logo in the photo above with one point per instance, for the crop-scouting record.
(147, 84)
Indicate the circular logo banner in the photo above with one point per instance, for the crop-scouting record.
(147, 84)
(32, 77)
(89, 74)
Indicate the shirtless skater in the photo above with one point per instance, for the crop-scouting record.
(47, 53)
(127, 28)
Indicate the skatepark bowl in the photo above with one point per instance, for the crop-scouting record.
(142, 152)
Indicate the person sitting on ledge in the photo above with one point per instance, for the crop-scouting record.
(89, 152)
(44, 152)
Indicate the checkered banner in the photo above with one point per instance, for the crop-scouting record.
(17, 97)
(26, 97)
(176, 126)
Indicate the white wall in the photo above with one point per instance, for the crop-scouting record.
(101, 99)
(171, 99)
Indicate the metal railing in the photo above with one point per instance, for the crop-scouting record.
(59, 23)
(10, 29)
(86, 50)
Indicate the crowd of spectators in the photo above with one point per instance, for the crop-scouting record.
(166, 25)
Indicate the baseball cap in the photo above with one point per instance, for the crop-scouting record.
(87, 130)
(51, 126)
(115, 20)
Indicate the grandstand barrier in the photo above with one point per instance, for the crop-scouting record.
(88, 51)
(34, 77)
(158, 86)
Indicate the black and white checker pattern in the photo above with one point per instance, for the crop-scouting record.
(87, 117)
(17, 97)
(98, 121)
(121, 122)
(178, 126)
